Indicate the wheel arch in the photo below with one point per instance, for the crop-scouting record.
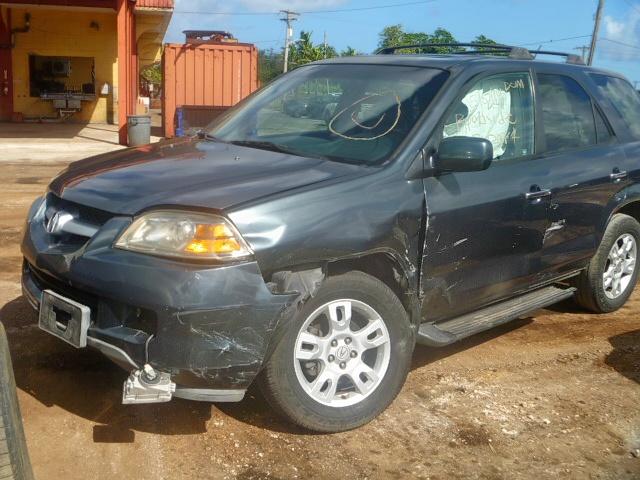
(631, 208)
(394, 271)
(627, 202)
(385, 265)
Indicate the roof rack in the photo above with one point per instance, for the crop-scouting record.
(518, 53)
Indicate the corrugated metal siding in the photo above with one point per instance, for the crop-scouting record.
(216, 75)
(155, 3)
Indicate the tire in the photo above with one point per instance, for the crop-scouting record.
(591, 293)
(14, 458)
(287, 382)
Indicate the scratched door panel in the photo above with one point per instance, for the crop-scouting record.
(582, 188)
(484, 238)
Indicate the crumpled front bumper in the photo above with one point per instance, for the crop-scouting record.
(208, 326)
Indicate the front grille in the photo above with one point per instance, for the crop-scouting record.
(82, 213)
(71, 224)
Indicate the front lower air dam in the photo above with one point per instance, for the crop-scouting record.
(147, 386)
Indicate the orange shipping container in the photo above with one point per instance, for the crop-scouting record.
(207, 75)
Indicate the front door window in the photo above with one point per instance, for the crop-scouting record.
(500, 109)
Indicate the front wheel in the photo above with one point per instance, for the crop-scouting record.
(612, 274)
(344, 358)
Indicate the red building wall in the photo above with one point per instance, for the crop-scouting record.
(66, 3)
(155, 3)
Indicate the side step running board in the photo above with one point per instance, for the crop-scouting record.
(497, 314)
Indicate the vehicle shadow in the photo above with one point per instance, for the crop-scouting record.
(86, 384)
(625, 356)
(567, 306)
(256, 411)
(424, 355)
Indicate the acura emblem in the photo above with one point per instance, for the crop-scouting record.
(57, 222)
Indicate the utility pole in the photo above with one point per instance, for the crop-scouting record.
(288, 19)
(596, 28)
(584, 49)
(325, 44)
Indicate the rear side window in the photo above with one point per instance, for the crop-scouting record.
(624, 99)
(497, 108)
(567, 113)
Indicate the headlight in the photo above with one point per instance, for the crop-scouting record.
(184, 234)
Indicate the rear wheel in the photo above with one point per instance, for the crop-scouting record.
(612, 274)
(344, 358)
(14, 459)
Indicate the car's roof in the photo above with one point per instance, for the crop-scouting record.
(448, 61)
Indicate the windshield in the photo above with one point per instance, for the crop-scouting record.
(352, 113)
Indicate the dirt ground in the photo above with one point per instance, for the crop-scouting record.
(556, 395)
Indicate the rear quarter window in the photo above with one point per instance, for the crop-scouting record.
(624, 98)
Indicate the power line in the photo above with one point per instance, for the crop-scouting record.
(620, 43)
(267, 41)
(310, 12)
(554, 40)
(632, 6)
(376, 7)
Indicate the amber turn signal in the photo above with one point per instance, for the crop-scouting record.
(213, 239)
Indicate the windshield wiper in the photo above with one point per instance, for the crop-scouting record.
(262, 145)
(276, 147)
(210, 138)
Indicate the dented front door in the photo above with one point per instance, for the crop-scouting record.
(484, 237)
(485, 229)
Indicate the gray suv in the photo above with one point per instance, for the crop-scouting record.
(434, 197)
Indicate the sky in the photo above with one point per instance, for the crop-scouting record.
(562, 25)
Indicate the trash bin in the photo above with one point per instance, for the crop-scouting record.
(139, 130)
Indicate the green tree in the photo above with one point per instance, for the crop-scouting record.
(270, 65)
(152, 73)
(482, 40)
(304, 51)
(391, 36)
(349, 52)
(394, 35)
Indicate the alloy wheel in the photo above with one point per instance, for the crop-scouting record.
(620, 266)
(342, 353)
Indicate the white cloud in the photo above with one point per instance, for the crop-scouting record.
(275, 5)
(625, 30)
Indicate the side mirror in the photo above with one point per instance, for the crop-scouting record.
(463, 154)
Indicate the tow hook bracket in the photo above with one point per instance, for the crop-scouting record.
(147, 386)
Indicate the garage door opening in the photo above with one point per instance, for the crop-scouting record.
(67, 82)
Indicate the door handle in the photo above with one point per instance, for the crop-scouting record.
(537, 194)
(617, 175)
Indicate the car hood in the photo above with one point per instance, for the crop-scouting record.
(189, 172)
